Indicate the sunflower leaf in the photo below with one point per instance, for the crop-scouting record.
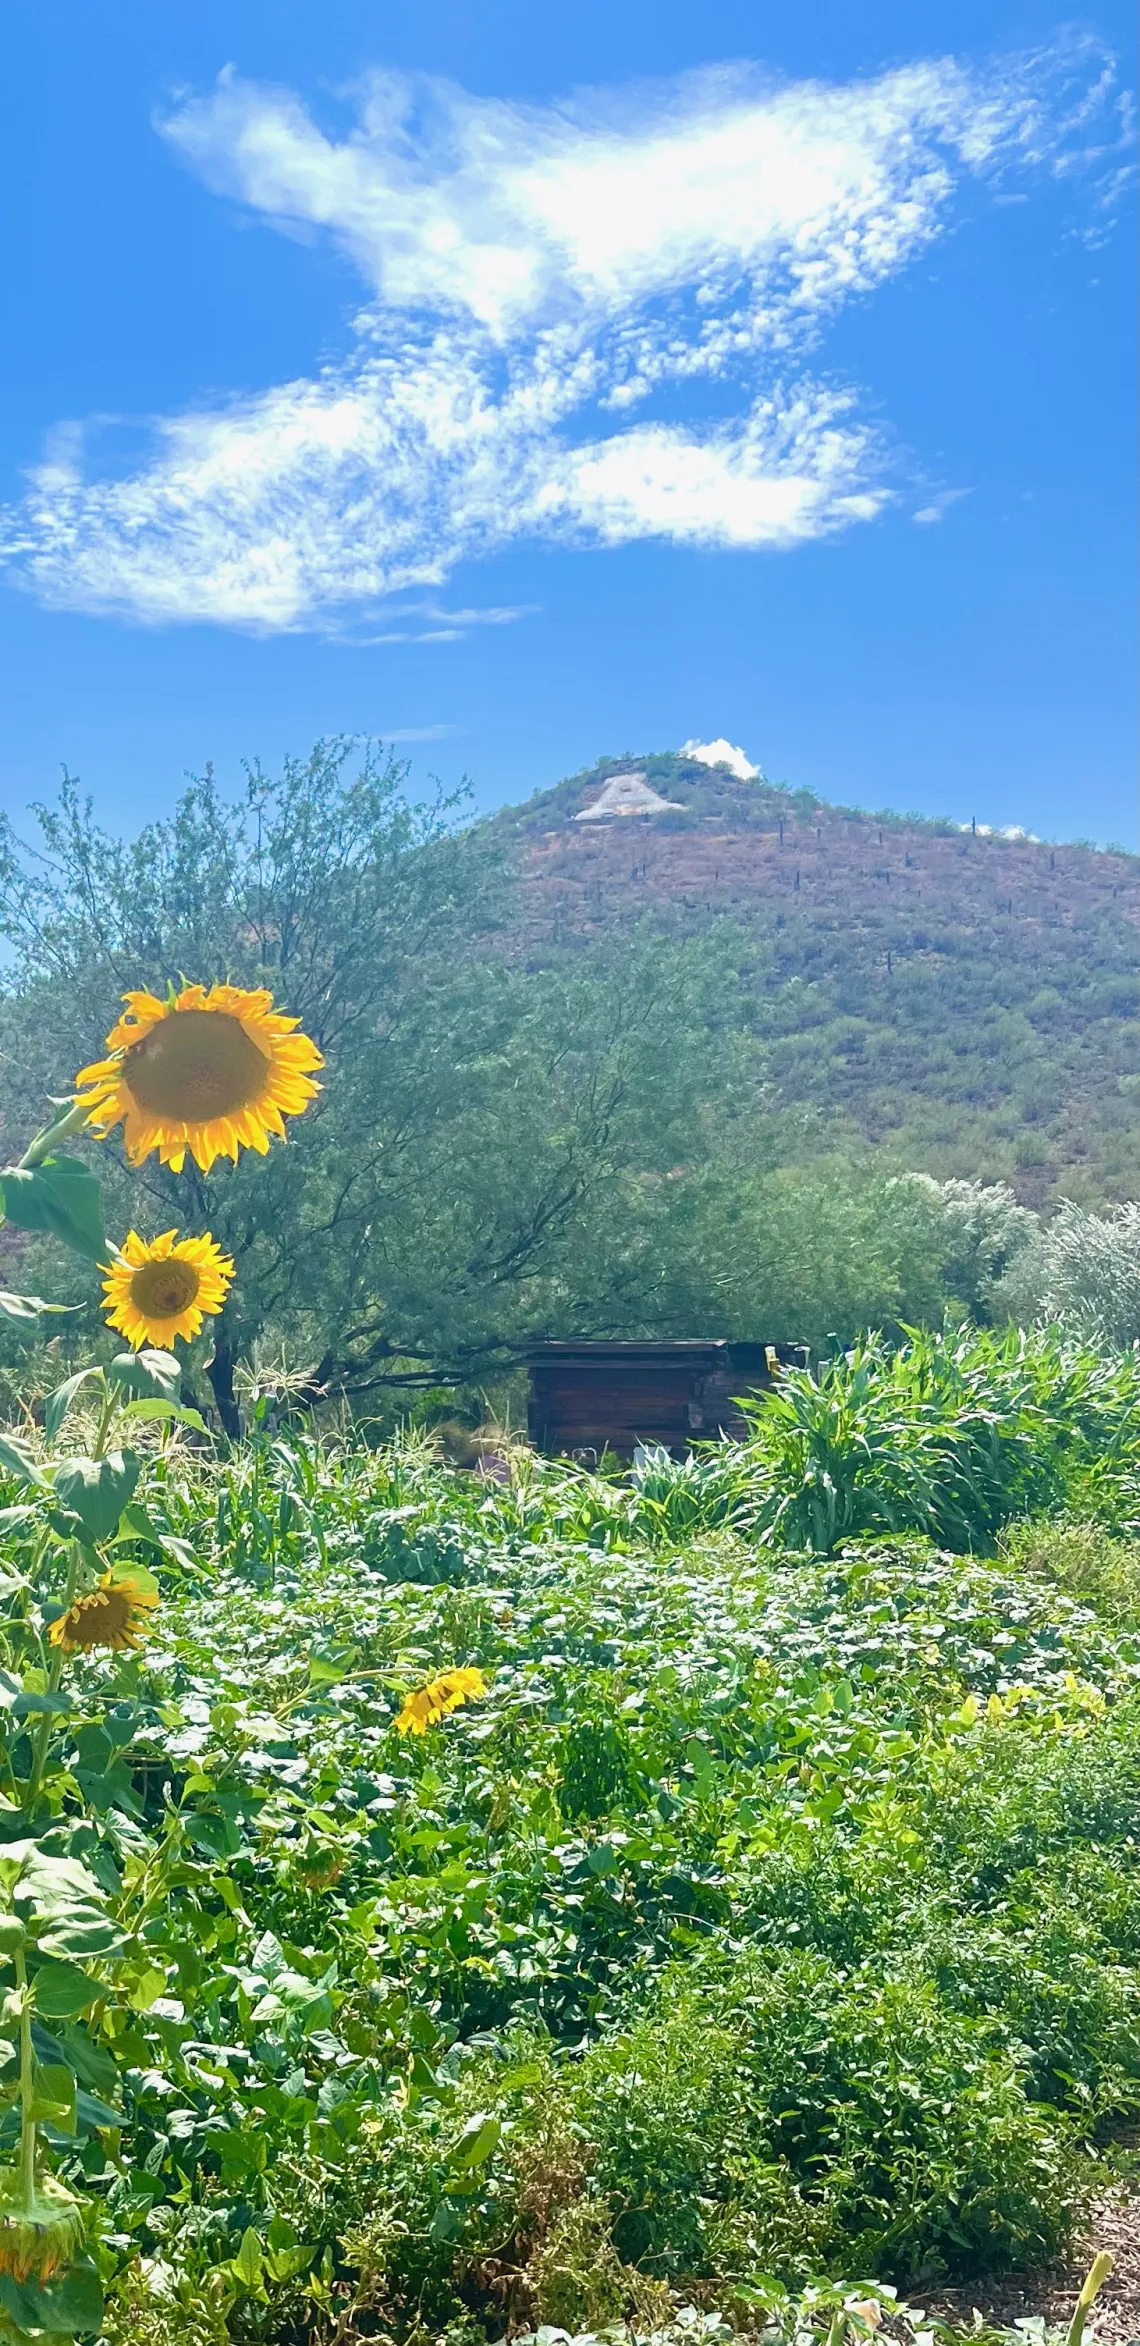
(61, 1196)
(63, 1989)
(66, 1904)
(475, 2145)
(29, 1307)
(31, 1703)
(146, 1410)
(137, 1579)
(96, 1490)
(149, 1374)
(136, 1524)
(55, 2309)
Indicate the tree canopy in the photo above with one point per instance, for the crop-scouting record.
(514, 1140)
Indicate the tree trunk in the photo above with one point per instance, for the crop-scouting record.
(221, 1375)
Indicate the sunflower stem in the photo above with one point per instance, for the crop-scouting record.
(28, 2128)
(55, 1673)
(105, 1415)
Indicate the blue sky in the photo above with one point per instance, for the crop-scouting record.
(525, 385)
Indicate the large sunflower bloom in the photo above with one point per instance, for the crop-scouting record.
(111, 1614)
(213, 1070)
(158, 1289)
(431, 1703)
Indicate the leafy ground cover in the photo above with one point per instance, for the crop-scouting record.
(771, 1921)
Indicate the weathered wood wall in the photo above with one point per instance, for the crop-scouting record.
(594, 1396)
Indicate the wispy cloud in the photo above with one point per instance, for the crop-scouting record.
(424, 733)
(937, 507)
(533, 276)
(426, 623)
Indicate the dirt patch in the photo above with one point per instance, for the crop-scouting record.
(1051, 2292)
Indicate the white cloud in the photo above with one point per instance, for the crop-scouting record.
(786, 474)
(1000, 831)
(423, 732)
(514, 215)
(723, 753)
(532, 275)
(939, 505)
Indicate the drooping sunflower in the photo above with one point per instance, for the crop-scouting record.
(213, 1070)
(112, 1614)
(159, 1289)
(41, 2226)
(431, 1703)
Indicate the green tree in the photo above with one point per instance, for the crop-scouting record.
(469, 1175)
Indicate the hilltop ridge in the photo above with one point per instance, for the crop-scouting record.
(967, 999)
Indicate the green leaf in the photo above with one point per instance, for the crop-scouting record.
(58, 1403)
(69, 2308)
(30, 1703)
(136, 1524)
(147, 1410)
(480, 2137)
(323, 1672)
(17, 1458)
(94, 2066)
(96, 1490)
(29, 1307)
(62, 1990)
(135, 1577)
(55, 2096)
(62, 1196)
(14, 1856)
(90, 2112)
(247, 2264)
(66, 1904)
(149, 1374)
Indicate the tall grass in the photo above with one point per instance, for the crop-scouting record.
(958, 1436)
(953, 1434)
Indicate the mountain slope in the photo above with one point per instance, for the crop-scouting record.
(967, 1001)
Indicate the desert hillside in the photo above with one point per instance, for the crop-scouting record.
(968, 997)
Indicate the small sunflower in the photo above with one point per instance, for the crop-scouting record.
(41, 2226)
(111, 1615)
(431, 1703)
(213, 1070)
(158, 1290)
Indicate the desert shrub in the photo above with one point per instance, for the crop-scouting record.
(1082, 1558)
(1082, 1270)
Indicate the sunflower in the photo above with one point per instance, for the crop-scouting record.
(41, 2226)
(212, 1070)
(158, 1290)
(107, 1615)
(431, 1703)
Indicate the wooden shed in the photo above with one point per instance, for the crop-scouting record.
(597, 1396)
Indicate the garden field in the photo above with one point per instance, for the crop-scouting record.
(752, 1909)
(684, 1903)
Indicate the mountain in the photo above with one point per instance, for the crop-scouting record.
(966, 1001)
